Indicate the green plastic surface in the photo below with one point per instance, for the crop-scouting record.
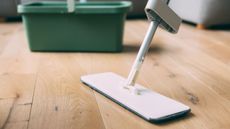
(93, 26)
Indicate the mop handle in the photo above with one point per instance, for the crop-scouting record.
(141, 54)
(71, 5)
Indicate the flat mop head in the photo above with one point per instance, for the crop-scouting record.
(147, 104)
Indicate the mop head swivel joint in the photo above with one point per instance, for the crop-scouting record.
(145, 103)
(158, 10)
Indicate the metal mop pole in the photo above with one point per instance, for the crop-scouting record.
(141, 54)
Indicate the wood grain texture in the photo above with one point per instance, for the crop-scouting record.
(17, 79)
(43, 90)
(60, 100)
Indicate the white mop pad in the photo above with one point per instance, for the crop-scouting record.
(147, 104)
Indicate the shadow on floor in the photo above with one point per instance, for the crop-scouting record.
(13, 19)
(156, 48)
(171, 121)
(220, 27)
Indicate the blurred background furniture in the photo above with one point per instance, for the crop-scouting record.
(8, 8)
(204, 13)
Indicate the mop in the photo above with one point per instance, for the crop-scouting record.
(145, 103)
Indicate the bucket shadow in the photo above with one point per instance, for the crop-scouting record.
(157, 49)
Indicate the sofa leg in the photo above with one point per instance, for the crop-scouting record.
(200, 26)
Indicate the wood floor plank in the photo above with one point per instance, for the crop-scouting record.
(20, 112)
(5, 109)
(8, 38)
(212, 42)
(17, 125)
(185, 88)
(211, 70)
(16, 56)
(205, 65)
(60, 101)
(189, 85)
(16, 98)
(17, 76)
(17, 86)
(182, 84)
(12, 45)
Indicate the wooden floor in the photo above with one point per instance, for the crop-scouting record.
(43, 90)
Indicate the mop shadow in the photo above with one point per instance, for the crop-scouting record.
(156, 48)
(174, 120)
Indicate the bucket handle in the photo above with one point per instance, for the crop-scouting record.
(71, 5)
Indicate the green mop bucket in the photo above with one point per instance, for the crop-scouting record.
(91, 27)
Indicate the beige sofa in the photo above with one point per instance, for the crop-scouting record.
(204, 13)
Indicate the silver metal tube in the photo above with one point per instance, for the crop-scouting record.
(141, 54)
